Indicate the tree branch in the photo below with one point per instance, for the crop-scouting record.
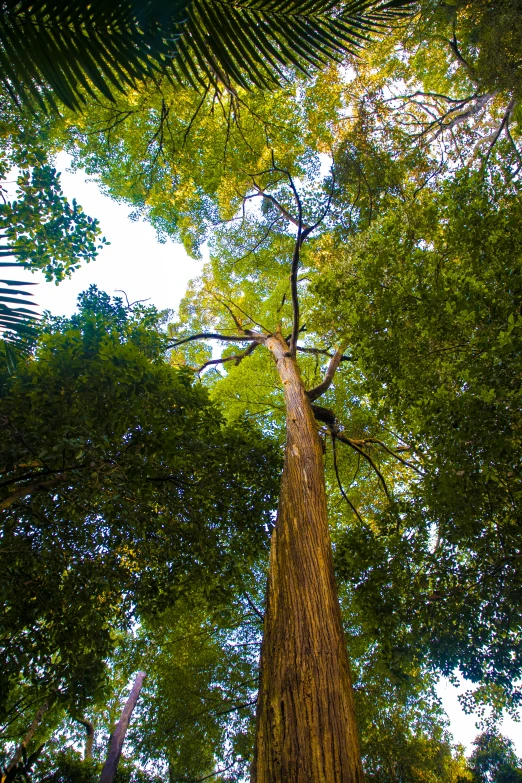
(503, 124)
(117, 739)
(28, 489)
(343, 493)
(286, 214)
(320, 389)
(394, 454)
(294, 293)
(254, 608)
(238, 357)
(323, 352)
(89, 728)
(354, 445)
(453, 45)
(210, 336)
(28, 737)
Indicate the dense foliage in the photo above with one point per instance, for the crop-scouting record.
(124, 480)
(150, 497)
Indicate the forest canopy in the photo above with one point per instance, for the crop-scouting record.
(339, 387)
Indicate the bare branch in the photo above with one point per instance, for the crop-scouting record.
(238, 357)
(503, 124)
(394, 454)
(294, 293)
(235, 338)
(316, 392)
(302, 233)
(449, 120)
(308, 230)
(323, 352)
(234, 317)
(354, 445)
(343, 493)
(453, 45)
(286, 214)
(254, 607)
(238, 323)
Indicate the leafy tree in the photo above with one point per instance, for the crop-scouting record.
(493, 759)
(40, 230)
(203, 165)
(429, 301)
(125, 481)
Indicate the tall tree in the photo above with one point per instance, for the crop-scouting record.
(244, 298)
(305, 715)
(260, 150)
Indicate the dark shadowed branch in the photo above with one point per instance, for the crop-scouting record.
(343, 493)
(237, 338)
(359, 448)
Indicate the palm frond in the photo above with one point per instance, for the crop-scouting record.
(65, 48)
(254, 43)
(69, 49)
(18, 316)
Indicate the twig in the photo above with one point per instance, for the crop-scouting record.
(254, 607)
(394, 454)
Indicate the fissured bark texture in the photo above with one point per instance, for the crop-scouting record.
(306, 730)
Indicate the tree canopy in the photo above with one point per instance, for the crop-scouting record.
(367, 218)
(118, 476)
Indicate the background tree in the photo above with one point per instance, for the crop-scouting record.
(39, 228)
(112, 466)
(494, 759)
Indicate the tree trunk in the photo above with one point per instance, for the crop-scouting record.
(89, 740)
(116, 744)
(28, 737)
(306, 731)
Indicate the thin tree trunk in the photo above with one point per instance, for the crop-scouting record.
(89, 740)
(28, 737)
(306, 731)
(116, 744)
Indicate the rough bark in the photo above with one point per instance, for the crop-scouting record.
(116, 744)
(306, 731)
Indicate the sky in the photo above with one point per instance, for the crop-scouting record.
(134, 261)
(138, 264)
